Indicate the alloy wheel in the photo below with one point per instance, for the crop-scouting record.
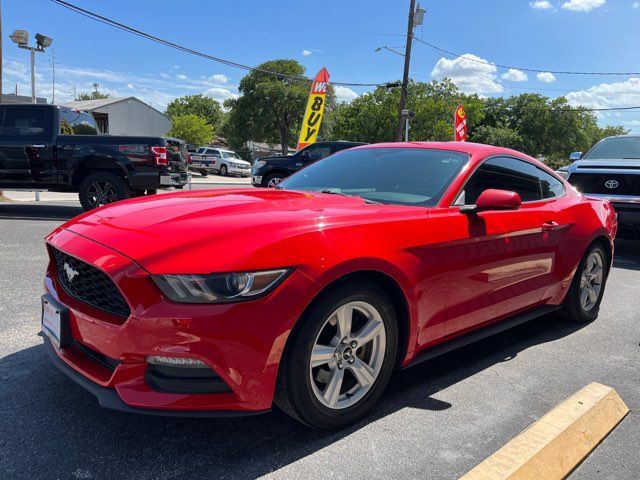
(100, 193)
(591, 280)
(347, 355)
(273, 182)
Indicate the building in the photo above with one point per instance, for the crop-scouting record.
(13, 98)
(125, 116)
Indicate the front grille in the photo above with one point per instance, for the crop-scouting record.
(606, 183)
(90, 285)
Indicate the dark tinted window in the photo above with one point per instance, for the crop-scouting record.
(24, 122)
(74, 122)
(550, 186)
(405, 176)
(504, 173)
(616, 147)
(316, 152)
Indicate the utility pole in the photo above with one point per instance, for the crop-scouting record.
(52, 62)
(405, 75)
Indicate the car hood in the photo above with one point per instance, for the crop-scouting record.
(275, 159)
(221, 230)
(605, 164)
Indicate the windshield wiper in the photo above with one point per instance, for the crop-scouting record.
(366, 200)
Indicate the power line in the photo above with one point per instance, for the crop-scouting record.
(230, 63)
(532, 70)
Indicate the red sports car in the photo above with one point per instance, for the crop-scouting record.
(223, 302)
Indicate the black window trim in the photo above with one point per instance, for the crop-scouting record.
(514, 157)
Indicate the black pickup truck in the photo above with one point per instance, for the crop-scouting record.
(54, 148)
(270, 171)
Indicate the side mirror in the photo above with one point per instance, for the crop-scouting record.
(575, 156)
(494, 200)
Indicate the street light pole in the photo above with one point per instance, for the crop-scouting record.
(405, 75)
(21, 38)
(33, 74)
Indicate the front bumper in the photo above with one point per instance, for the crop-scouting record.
(244, 172)
(242, 343)
(256, 180)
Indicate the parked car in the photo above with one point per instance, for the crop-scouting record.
(611, 171)
(217, 160)
(270, 171)
(374, 258)
(47, 147)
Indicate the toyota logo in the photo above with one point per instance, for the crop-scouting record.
(70, 271)
(611, 184)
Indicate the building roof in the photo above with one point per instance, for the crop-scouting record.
(90, 105)
(13, 98)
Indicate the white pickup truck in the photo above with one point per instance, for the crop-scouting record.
(208, 160)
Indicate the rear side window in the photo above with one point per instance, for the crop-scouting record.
(506, 173)
(75, 122)
(24, 123)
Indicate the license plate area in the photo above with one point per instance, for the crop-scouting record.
(55, 321)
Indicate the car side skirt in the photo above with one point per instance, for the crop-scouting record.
(481, 334)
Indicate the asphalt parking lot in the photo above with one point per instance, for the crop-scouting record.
(436, 420)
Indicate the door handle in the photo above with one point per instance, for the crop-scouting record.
(550, 226)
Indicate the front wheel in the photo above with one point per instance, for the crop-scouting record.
(273, 180)
(340, 358)
(223, 170)
(102, 188)
(582, 303)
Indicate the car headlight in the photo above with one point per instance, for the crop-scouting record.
(259, 164)
(219, 288)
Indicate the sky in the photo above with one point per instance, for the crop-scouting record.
(558, 35)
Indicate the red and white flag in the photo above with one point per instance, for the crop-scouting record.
(460, 124)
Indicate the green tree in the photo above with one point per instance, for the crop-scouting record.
(200, 105)
(269, 108)
(192, 129)
(372, 116)
(93, 95)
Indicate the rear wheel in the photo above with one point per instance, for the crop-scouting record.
(102, 188)
(341, 357)
(204, 173)
(223, 170)
(582, 303)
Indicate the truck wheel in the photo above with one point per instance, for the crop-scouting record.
(101, 188)
(223, 170)
(271, 181)
(203, 173)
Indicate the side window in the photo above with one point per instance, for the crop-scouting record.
(216, 153)
(24, 123)
(318, 151)
(504, 173)
(549, 185)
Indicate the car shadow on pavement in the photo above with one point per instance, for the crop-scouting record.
(42, 211)
(627, 254)
(52, 428)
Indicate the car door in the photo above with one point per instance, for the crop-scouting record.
(26, 153)
(501, 261)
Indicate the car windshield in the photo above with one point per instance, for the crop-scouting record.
(615, 148)
(402, 176)
(226, 154)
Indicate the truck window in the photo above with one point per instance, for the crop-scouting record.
(75, 122)
(23, 123)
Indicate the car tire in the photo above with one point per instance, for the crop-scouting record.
(223, 170)
(272, 180)
(203, 173)
(101, 188)
(583, 299)
(305, 392)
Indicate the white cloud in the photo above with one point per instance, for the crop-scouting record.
(546, 77)
(515, 75)
(220, 94)
(306, 52)
(344, 94)
(606, 95)
(582, 5)
(541, 5)
(468, 75)
(130, 86)
(218, 78)
(635, 5)
(181, 77)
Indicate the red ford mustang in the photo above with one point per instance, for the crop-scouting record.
(224, 302)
